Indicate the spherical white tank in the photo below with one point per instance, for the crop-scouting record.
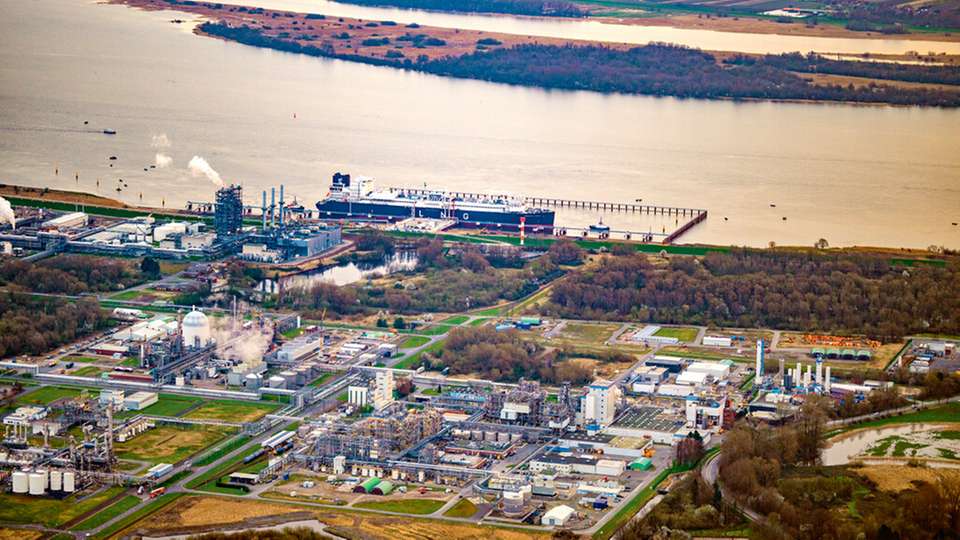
(69, 481)
(37, 481)
(56, 480)
(196, 329)
(20, 482)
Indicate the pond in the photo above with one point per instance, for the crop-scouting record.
(347, 273)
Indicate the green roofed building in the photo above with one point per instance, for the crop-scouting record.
(863, 354)
(640, 464)
(367, 486)
(818, 350)
(383, 488)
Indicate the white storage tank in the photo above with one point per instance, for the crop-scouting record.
(56, 480)
(196, 329)
(20, 482)
(37, 481)
(69, 481)
(277, 382)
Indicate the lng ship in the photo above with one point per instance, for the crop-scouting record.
(356, 198)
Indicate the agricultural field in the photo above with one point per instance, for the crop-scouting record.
(233, 411)
(199, 511)
(50, 512)
(169, 444)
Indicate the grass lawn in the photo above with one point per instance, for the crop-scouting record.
(410, 506)
(146, 510)
(82, 359)
(293, 332)
(130, 362)
(413, 342)
(127, 295)
(106, 514)
(456, 319)
(697, 354)
(47, 394)
(208, 480)
(320, 380)
(462, 509)
(949, 412)
(210, 457)
(587, 332)
(413, 361)
(170, 405)
(490, 312)
(88, 371)
(434, 329)
(50, 512)
(234, 411)
(478, 321)
(683, 333)
(169, 444)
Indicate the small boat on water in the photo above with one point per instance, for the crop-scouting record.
(109, 132)
(600, 229)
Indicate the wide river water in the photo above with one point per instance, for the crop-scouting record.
(851, 174)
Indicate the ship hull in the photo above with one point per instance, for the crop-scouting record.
(538, 221)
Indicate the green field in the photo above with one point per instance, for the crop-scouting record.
(685, 333)
(208, 480)
(491, 312)
(434, 329)
(46, 395)
(233, 411)
(413, 342)
(456, 319)
(50, 512)
(88, 371)
(949, 412)
(106, 514)
(82, 359)
(293, 332)
(590, 333)
(169, 444)
(413, 361)
(146, 510)
(411, 506)
(209, 458)
(321, 379)
(170, 405)
(479, 321)
(462, 509)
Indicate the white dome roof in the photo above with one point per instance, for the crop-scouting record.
(195, 318)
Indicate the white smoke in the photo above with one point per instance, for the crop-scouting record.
(160, 141)
(245, 344)
(162, 161)
(6, 213)
(199, 167)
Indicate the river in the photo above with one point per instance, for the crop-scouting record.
(851, 174)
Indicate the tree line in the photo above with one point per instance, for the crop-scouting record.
(657, 70)
(71, 274)
(553, 8)
(504, 356)
(815, 63)
(746, 288)
(35, 325)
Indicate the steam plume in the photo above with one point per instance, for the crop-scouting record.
(199, 166)
(160, 141)
(162, 161)
(6, 213)
(245, 344)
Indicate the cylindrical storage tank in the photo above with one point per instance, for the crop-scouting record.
(503, 436)
(69, 481)
(37, 481)
(21, 484)
(477, 435)
(290, 378)
(420, 476)
(277, 382)
(196, 329)
(516, 436)
(46, 478)
(56, 480)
